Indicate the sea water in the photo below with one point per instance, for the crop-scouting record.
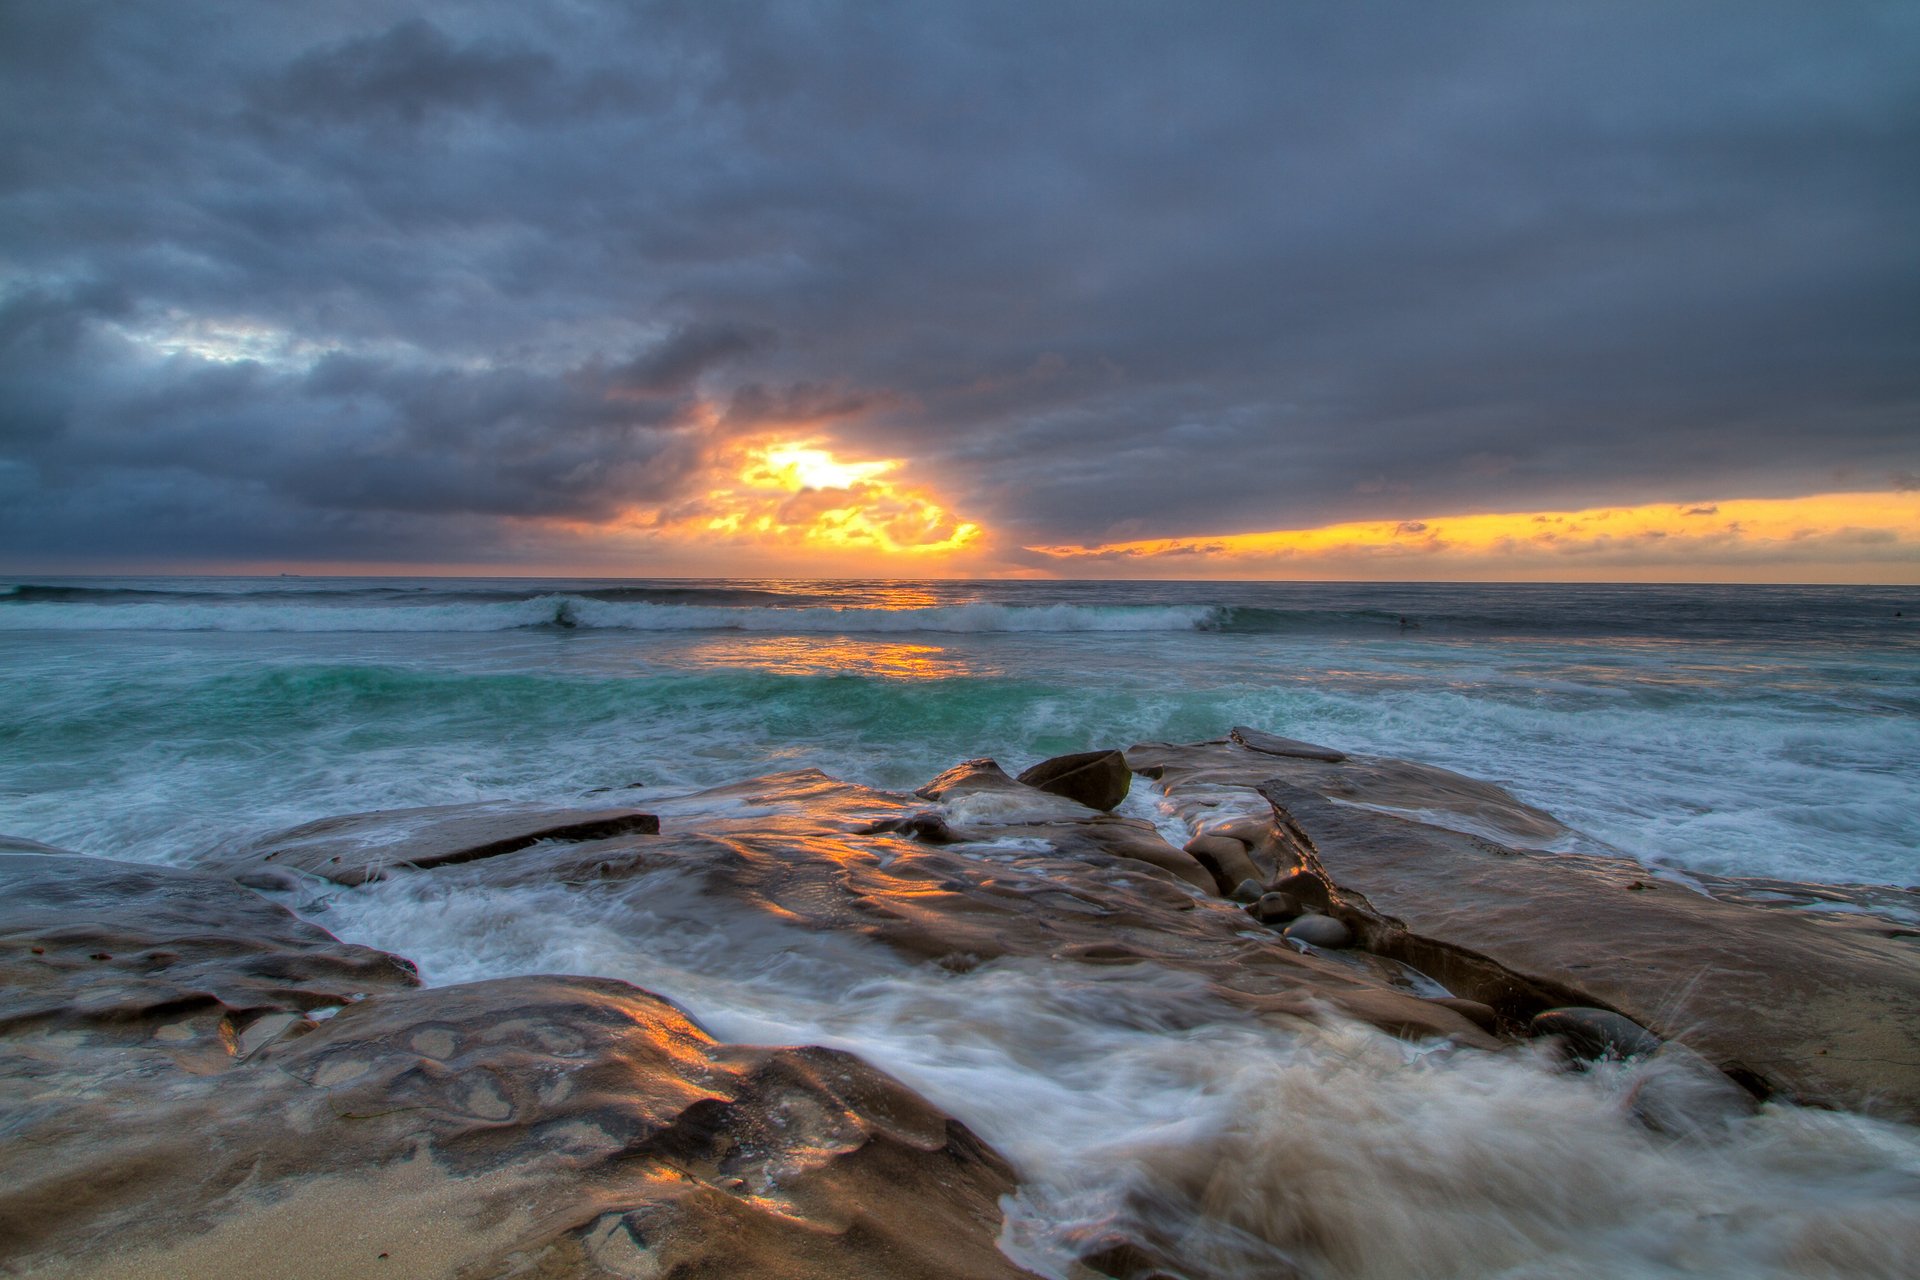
(1741, 730)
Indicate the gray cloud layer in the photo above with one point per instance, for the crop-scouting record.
(1101, 270)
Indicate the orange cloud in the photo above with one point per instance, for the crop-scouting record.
(1846, 537)
(777, 503)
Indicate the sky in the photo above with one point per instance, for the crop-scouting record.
(1560, 291)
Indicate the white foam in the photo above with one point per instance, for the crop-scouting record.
(1129, 1096)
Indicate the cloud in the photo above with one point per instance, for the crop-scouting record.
(398, 279)
(407, 71)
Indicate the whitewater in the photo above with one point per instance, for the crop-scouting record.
(1745, 731)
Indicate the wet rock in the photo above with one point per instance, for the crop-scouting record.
(1225, 859)
(1310, 889)
(1273, 908)
(1677, 1092)
(792, 846)
(118, 950)
(175, 1107)
(1124, 838)
(359, 847)
(1819, 1007)
(1293, 748)
(1596, 1033)
(1247, 891)
(1249, 829)
(1208, 768)
(1097, 779)
(926, 826)
(1481, 1015)
(1319, 931)
(969, 777)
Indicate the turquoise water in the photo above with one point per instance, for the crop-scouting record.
(1743, 730)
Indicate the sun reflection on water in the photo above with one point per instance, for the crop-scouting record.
(817, 655)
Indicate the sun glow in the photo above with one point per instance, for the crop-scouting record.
(780, 504)
(794, 467)
(1825, 537)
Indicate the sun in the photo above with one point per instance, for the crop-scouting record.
(802, 465)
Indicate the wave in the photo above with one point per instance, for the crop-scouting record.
(593, 612)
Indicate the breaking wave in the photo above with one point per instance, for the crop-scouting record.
(568, 611)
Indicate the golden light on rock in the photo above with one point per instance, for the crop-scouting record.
(1837, 537)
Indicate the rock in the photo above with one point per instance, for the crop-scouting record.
(968, 778)
(1596, 1033)
(1271, 908)
(1249, 829)
(1272, 745)
(1248, 891)
(1677, 1092)
(1822, 1007)
(983, 803)
(175, 1111)
(1307, 887)
(1124, 838)
(1206, 769)
(926, 826)
(359, 847)
(1097, 779)
(1225, 859)
(117, 950)
(1481, 1015)
(1319, 931)
(795, 847)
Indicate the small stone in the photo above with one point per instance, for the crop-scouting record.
(1248, 891)
(1274, 907)
(1097, 779)
(1596, 1033)
(1317, 930)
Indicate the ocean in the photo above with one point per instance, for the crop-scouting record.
(1738, 730)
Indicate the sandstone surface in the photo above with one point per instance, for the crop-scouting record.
(201, 1084)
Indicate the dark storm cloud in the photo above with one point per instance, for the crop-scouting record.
(371, 279)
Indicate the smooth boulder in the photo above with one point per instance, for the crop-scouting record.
(1319, 931)
(1596, 1033)
(1097, 779)
(1677, 1092)
(1225, 859)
